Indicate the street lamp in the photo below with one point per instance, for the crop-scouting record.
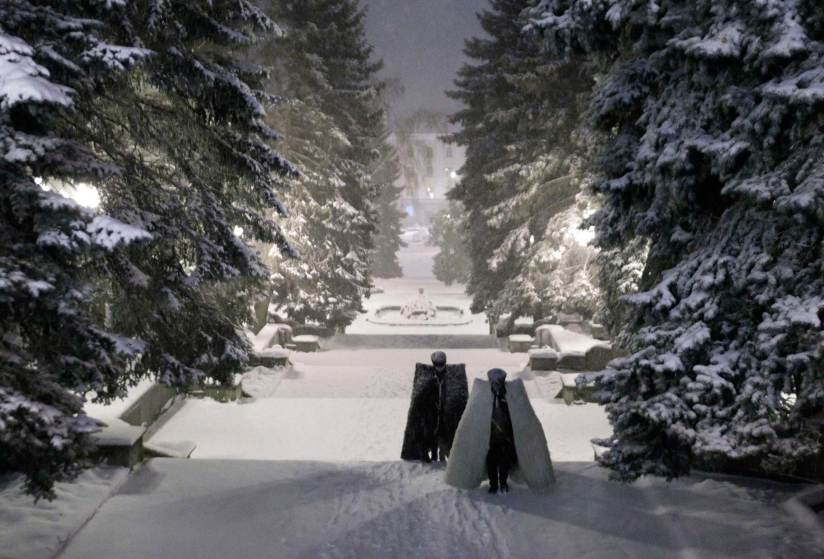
(453, 176)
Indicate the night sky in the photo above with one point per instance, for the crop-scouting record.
(421, 42)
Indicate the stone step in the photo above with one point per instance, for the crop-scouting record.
(411, 341)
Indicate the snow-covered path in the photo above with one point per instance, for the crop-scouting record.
(348, 405)
(257, 509)
(309, 469)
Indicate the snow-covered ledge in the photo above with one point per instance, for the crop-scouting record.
(307, 343)
(126, 421)
(120, 443)
(806, 507)
(575, 351)
(269, 346)
(519, 343)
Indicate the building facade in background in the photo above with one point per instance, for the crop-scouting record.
(429, 169)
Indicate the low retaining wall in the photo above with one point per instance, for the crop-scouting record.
(149, 406)
(412, 341)
(124, 451)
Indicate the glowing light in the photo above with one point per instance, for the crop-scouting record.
(83, 193)
(583, 236)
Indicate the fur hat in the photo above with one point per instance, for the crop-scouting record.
(496, 375)
(497, 381)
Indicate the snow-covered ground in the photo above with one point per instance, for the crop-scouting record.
(351, 405)
(343, 429)
(31, 530)
(213, 509)
(416, 260)
(309, 468)
(38, 531)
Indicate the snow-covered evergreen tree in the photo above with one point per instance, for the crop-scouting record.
(488, 124)
(390, 216)
(415, 154)
(314, 287)
(560, 274)
(154, 281)
(711, 113)
(337, 36)
(517, 124)
(188, 131)
(336, 132)
(619, 269)
(53, 58)
(451, 264)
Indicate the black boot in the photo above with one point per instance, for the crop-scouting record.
(503, 474)
(492, 471)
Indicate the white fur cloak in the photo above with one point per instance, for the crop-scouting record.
(466, 467)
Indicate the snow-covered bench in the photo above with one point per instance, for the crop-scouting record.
(519, 343)
(270, 335)
(271, 357)
(576, 387)
(599, 331)
(576, 351)
(148, 405)
(119, 443)
(544, 359)
(306, 343)
(269, 345)
(573, 361)
(573, 322)
(126, 421)
(599, 356)
(563, 340)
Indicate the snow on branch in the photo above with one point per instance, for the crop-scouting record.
(22, 80)
(109, 233)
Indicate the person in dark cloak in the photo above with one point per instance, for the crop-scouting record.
(501, 457)
(439, 395)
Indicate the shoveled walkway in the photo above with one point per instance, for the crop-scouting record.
(209, 509)
(351, 405)
(313, 473)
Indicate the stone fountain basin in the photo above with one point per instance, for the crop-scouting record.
(446, 316)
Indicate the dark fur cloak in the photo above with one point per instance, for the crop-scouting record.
(422, 422)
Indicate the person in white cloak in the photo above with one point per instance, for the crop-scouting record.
(480, 448)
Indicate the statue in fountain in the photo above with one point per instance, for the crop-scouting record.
(439, 394)
(420, 307)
